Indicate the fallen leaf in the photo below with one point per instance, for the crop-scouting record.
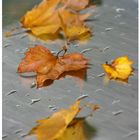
(62, 125)
(73, 26)
(49, 67)
(41, 20)
(119, 69)
(53, 127)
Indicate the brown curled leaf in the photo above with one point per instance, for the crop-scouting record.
(49, 67)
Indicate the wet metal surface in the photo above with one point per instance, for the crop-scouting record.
(115, 34)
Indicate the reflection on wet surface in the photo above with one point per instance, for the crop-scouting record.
(78, 76)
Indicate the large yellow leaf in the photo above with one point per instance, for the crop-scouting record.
(53, 127)
(119, 69)
(54, 18)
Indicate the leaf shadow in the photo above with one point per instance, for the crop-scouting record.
(84, 130)
(80, 76)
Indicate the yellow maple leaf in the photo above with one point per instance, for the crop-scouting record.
(54, 126)
(63, 125)
(119, 69)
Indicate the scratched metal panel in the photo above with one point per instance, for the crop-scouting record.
(115, 34)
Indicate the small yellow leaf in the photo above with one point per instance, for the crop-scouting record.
(119, 69)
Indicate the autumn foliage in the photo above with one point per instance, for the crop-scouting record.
(54, 17)
(119, 69)
(62, 125)
(49, 67)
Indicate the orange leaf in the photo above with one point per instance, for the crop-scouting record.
(38, 59)
(49, 67)
(119, 69)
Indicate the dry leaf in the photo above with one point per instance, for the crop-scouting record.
(53, 127)
(52, 17)
(49, 67)
(62, 125)
(73, 26)
(38, 59)
(119, 69)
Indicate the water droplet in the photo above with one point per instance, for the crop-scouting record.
(33, 85)
(82, 96)
(4, 136)
(101, 75)
(122, 23)
(115, 113)
(99, 90)
(23, 135)
(116, 101)
(131, 133)
(33, 101)
(105, 48)
(118, 10)
(6, 45)
(51, 106)
(108, 29)
(86, 50)
(17, 131)
(18, 105)
(11, 92)
(23, 36)
(54, 52)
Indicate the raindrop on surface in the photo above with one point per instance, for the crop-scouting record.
(11, 92)
(115, 113)
(131, 133)
(33, 101)
(17, 131)
(116, 101)
(108, 29)
(82, 96)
